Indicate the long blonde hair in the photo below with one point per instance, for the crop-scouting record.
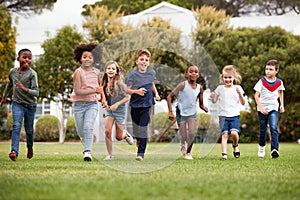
(118, 77)
(231, 69)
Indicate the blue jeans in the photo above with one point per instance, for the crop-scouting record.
(85, 114)
(20, 111)
(272, 118)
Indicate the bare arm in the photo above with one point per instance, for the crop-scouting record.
(179, 87)
(281, 100)
(201, 105)
(115, 106)
(140, 91)
(154, 91)
(257, 101)
(241, 96)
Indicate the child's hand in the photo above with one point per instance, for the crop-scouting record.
(104, 105)
(238, 91)
(113, 107)
(263, 111)
(157, 97)
(99, 90)
(281, 109)
(2, 101)
(141, 91)
(204, 108)
(21, 86)
(171, 116)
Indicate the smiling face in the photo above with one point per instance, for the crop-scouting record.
(87, 59)
(228, 78)
(192, 73)
(111, 70)
(25, 59)
(143, 62)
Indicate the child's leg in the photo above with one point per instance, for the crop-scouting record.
(17, 114)
(263, 122)
(29, 128)
(88, 125)
(273, 118)
(191, 134)
(109, 121)
(120, 135)
(183, 136)
(224, 143)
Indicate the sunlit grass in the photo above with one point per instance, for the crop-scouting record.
(57, 171)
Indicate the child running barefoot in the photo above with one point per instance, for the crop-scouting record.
(86, 94)
(116, 97)
(229, 96)
(188, 92)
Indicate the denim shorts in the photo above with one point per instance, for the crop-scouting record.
(228, 124)
(183, 119)
(118, 115)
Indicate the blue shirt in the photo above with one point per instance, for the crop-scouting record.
(138, 80)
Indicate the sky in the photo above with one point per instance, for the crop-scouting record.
(32, 30)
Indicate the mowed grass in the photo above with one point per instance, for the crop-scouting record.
(57, 171)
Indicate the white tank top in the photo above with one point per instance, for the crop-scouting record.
(187, 99)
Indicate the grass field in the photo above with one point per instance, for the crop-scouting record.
(57, 171)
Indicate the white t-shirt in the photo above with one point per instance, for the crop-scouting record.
(269, 93)
(229, 101)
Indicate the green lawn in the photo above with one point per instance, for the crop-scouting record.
(57, 171)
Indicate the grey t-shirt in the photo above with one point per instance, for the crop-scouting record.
(29, 79)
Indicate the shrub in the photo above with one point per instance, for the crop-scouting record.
(290, 127)
(47, 128)
(71, 132)
(203, 120)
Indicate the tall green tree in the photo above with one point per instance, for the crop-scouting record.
(55, 68)
(7, 46)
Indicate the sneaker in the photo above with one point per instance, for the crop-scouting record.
(139, 158)
(13, 156)
(224, 156)
(109, 157)
(274, 153)
(87, 156)
(183, 149)
(129, 138)
(188, 156)
(29, 153)
(261, 151)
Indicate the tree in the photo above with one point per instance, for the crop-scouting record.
(131, 7)
(55, 68)
(249, 49)
(235, 8)
(103, 23)
(28, 6)
(7, 46)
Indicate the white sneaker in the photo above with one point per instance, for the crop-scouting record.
(109, 157)
(87, 156)
(139, 158)
(129, 138)
(188, 156)
(261, 151)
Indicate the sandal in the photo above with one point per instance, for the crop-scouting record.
(224, 156)
(236, 154)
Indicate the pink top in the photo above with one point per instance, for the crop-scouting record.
(89, 79)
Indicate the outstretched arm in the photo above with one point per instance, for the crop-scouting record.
(154, 91)
(179, 87)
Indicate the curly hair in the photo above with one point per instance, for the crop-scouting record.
(91, 47)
